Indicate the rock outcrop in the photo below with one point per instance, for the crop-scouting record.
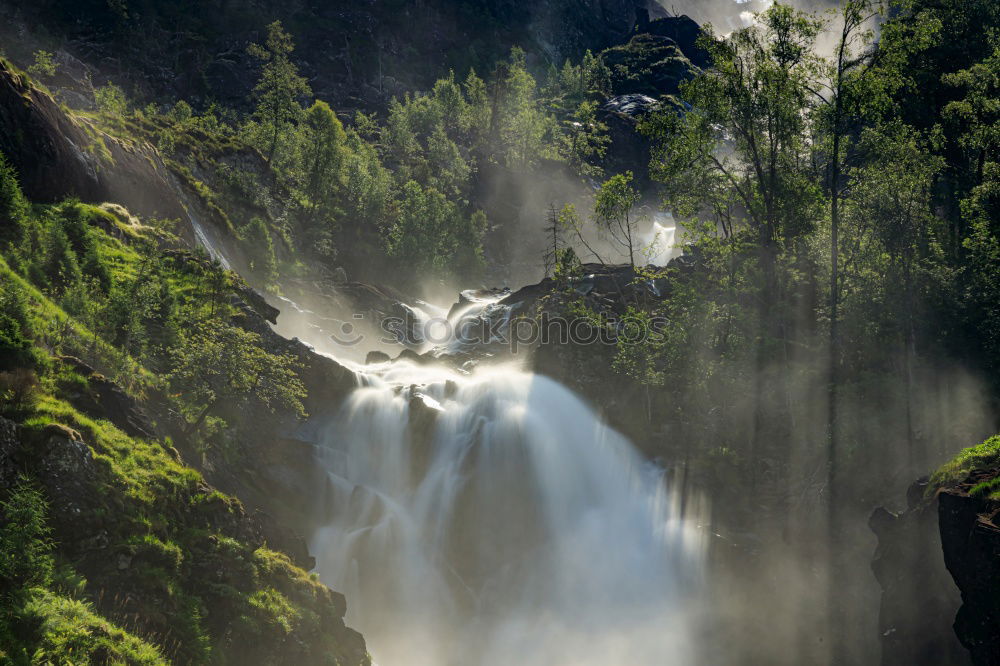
(970, 536)
(58, 154)
(919, 599)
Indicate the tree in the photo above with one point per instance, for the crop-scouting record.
(224, 365)
(44, 66)
(741, 157)
(449, 172)
(13, 206)
(263, 264)
(838, 112)
(519, 127)
(25, 544)
(111, 100)
(433, 236)
(279, 88)
(614, 212)
(586, 140)
(745, 140)
(891, 196)
(325, 154)
(553, 240)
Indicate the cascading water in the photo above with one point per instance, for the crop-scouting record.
(493, 519)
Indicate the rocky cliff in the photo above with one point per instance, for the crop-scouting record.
(970, 536)
(919, 598)
(949, 527)
(58, 153)
(360, 53)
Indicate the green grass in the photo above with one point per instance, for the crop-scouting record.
(70, 632)
(984, 457)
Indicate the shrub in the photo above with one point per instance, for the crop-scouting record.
(44, 66)
(13, 205)
(19, 389)
(16, 351)
(111, 100)
(260, 250)
(25, 547)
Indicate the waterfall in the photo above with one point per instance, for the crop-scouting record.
(492, 518)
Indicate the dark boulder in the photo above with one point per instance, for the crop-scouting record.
(682, 31)
(648, 65)
(375, 357)
(629, 149)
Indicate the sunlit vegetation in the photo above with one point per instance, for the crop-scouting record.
(94, 283)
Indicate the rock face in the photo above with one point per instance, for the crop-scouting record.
(629, 150)
(970, 537)
(57, 155)
(919, 600)
(359, 53)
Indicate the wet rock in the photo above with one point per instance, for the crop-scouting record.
(124, 562)
(258, 303)
(410, 355)
(375, 357)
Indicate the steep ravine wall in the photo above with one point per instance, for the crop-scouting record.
(919, 599)
(970, 537)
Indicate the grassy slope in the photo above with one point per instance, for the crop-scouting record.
(176, 563)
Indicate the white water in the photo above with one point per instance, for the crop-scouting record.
(519, 530)
(660, 240)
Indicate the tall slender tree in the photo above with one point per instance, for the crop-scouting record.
(279, 88)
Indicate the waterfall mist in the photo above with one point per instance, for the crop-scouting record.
(495, 519)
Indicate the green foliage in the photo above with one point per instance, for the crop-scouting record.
(257, 239)
(223, 366)
(111, 99)
(278, 90)
(13, 206)
(71, 629)
(44, 66)
(981, 458)
(431, 234)
(585, 140)
(614, 212)
(25, 544)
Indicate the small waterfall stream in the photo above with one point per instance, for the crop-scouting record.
(492, 518)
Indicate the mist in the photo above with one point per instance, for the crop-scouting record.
(728, 15)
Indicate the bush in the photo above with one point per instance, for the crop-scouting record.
(25, 547)
(19, 389)
(111, 100)
(44, 66)
(13, 205)
(16, 351)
